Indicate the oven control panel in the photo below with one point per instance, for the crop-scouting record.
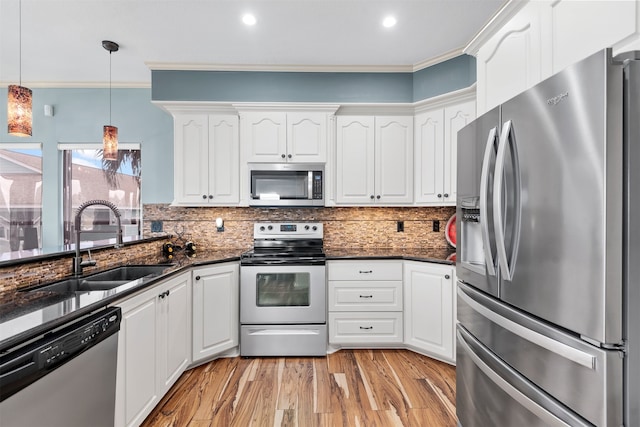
(288, 230)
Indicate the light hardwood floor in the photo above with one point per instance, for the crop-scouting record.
(362, 388)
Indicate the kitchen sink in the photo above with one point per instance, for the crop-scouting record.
(105, 280)
(129, 273)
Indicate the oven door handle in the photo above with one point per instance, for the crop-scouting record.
(266, 332)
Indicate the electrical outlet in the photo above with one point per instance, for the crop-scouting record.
(156, 226)
(400, 227)
(436, 225)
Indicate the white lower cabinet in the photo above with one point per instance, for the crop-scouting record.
(429, 309)
(216, 313)
(153, 348)
(365, 303)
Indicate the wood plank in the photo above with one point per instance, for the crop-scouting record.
(350, 388)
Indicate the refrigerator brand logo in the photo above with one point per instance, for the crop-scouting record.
(557, 99)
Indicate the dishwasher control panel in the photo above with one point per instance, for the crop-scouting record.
(28, 362)
(77, 340)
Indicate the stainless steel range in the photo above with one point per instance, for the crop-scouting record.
(283, 292)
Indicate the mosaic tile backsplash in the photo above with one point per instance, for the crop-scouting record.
(355, 227)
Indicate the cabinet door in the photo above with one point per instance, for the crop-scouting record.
(216, 314)
(307, 137)
(175, 329)
(455, 118)
(394, 160)
(137, 379)
(224, 159)
(264, 136)
(511, 60)
(429, 309)
(191, 159)
(429, 157)
(355, 160)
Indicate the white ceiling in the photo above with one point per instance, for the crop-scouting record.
(61, 39)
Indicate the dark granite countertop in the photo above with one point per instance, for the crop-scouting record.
(28, 314)
(437, 255)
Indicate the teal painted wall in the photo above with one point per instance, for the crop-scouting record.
(79, 115)
(253, 86)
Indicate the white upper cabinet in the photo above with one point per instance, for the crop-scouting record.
(206, 159)
(307, 137)
(276, 137)
(436, 136)
(530, 41)
(374, 160)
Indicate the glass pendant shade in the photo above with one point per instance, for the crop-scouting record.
(110, 143)
(19, 111)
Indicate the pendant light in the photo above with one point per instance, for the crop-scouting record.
(19, 98)
(110, 133)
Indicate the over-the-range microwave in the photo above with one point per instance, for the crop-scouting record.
(286, 184)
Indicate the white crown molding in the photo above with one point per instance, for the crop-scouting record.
(243, 107)
(374, 108)
(80, 85)
(207, 107)
(169, 66)
(498, 20)
(460, 95)
(438, 59)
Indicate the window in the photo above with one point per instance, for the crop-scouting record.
(20, 197)
(86, 176)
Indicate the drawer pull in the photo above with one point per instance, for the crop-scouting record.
(366, 328)
(366, 271)
(366, 296)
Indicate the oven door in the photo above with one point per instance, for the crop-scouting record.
(283, 294)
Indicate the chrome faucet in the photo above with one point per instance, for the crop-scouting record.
(78, 264)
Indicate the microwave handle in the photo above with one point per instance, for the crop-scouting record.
(310, 185)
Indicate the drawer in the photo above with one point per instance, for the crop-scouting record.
(365, 296)
(365, 328)
(365, 270)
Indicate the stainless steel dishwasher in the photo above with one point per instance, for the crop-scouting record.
(65, 377)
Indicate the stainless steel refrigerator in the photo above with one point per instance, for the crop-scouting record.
(548, 263)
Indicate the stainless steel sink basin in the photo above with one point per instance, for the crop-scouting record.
(107, 279)
(82, 285)
(129, 272)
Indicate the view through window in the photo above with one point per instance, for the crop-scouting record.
(87, 177)
(20, 197)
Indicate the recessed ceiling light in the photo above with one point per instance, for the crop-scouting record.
(249, 19)
(389, 21)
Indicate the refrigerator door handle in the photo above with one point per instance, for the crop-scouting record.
(506, 138)
(542, 413)
(573, 354)
(484, 211)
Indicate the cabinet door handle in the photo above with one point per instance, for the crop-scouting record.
(161, 296)
(378, 197)
(446, 276)
(439, 196)
(197, 277)
(371, 197)
(204, 196)
(446, 194)
(289, 156)
(210, 196)
(365, 271)
(366, 328)
(366, 296)
(283, 156)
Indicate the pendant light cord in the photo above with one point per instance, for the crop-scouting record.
(110, 87)
(20, 42)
